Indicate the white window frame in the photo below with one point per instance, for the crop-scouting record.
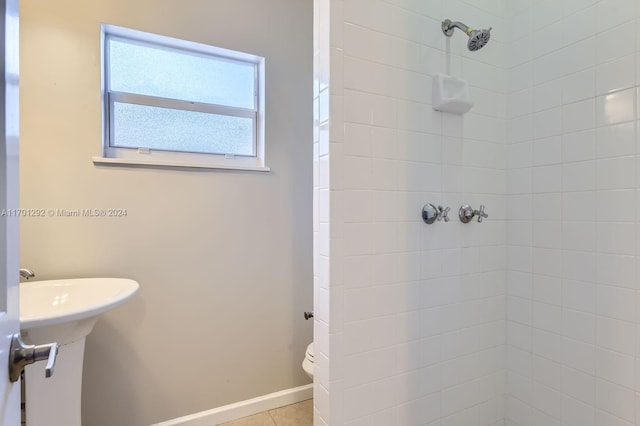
(154, 157)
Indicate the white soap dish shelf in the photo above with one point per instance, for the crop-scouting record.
(451, 94)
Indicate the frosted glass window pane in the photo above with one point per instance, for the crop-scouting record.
(146, 70)
(178, 130)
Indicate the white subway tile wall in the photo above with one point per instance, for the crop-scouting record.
(413, 332)
(572, 307)
(530, 318)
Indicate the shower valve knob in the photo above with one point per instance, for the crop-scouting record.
(431, 213)
(466, 213)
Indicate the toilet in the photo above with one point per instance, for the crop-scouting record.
(307, 364)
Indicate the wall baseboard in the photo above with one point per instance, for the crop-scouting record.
(241, 409)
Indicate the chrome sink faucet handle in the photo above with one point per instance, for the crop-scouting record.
(27, 273)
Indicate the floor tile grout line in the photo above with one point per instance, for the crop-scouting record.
(275, 423)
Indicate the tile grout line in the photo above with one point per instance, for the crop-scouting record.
(275, 423)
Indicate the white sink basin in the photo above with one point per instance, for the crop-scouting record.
(63, 311)
(71, 302)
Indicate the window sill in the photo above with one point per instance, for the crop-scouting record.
(125, 162)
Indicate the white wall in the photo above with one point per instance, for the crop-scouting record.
(410, 318)
(223, 258)
(573, 215)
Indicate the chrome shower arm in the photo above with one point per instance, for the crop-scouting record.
(448, 25)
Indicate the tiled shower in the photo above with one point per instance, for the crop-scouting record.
(529, 318)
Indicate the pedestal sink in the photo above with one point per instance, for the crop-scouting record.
(63, 311)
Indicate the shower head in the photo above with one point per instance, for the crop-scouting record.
(477, 38)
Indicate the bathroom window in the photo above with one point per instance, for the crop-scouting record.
(179, 103)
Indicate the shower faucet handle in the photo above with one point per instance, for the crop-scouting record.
(466, 213)
(480, 213)
(443, 213)
(431, 213)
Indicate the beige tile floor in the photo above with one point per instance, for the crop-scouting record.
(300, 414)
